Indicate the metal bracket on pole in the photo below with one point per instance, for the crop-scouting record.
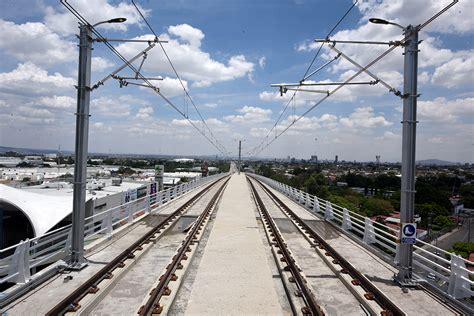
(368, 72)
(126, 64)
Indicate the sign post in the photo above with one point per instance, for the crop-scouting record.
(159, 173)
(408, 234)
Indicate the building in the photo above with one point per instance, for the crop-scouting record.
(9, 162)
(33, 211)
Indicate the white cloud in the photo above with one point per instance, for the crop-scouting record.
(262, 62)
(58, 102)
(101, 64)
(34, 42)
(61, 21)
(4, 104)
(188, 34)
(259, 132)
(364, 117)
(250, 114)
(31, 111)
(171, 87)
(218, 127)
(443, 110)
(211, 105)
(190, 61)
(388, 135)
(424, 77)
(120, 107)
(437, 140)
(145, 113)
(183, 122)
(455, 73)
(29, 80)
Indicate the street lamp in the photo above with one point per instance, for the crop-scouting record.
(240, 155)
(409, 96)
(382, 21)
(77, 260)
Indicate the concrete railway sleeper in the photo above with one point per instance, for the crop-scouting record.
(153, 305)
(364, 290)
(96, 284)
(311, 306)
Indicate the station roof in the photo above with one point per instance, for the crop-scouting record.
(45, 206)
(43, 211)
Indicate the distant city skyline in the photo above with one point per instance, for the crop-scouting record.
(228, 53)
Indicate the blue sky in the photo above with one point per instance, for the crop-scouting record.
(228, 53)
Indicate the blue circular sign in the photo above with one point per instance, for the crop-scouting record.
(409, 230)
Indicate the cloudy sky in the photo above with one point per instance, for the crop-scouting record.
(227, 54)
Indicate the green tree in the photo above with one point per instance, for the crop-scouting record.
(376, 206)
(467, 195)
(427, 210)
(440, 222)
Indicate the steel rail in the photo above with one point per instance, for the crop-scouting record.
(372, 292)
(312, 307)
(153, 306)
(71, 302)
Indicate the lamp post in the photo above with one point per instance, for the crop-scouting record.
(240, 154)
(407, 199)
(77, 260)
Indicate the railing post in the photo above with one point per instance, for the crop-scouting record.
(68, 244)
(130, 212)
(346, 220)
(147, 204)
(157, 199)
(369, 233)
(316, 207)
(397, 254)
(109, 224)
(307, 200)
(328, 214)
(21, 263)
(175, 192)
(458, 286)
(300, 196)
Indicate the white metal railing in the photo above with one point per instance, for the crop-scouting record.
(19, 262)
(449, 270)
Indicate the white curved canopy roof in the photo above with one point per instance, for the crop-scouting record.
(43, 211)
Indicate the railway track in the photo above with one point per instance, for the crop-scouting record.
(153, 304)
(312, 306)
(370, 297)
(89, 293)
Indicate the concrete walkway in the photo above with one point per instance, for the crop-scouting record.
(234, 276)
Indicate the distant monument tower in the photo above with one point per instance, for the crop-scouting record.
(336, 159)
(377, 159)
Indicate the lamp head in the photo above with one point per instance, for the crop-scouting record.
(378, 21)
(117, 20)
